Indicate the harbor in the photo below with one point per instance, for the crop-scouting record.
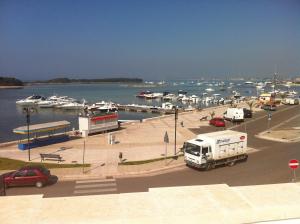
(188, 95)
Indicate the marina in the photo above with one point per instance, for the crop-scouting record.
(59, 102)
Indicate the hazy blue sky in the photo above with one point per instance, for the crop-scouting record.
(148, 39)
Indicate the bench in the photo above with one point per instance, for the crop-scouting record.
(50, 157)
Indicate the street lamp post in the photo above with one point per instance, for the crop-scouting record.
(176, 118)
(27, 111)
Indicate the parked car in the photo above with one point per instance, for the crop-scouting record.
(28, 175)
(217, 122)
(247, 113)
(271, 107)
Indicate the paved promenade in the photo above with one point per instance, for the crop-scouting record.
(137, 141)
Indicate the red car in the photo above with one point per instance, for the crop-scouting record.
(29, 175)
(217, 122)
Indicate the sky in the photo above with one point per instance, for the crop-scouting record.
(153, 40)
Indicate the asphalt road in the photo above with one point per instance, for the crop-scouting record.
(269, 165)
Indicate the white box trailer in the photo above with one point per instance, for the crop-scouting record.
(216, 148)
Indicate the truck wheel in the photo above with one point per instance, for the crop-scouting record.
(231, 163)
(245, 159)
(209, 166)
(39, 184)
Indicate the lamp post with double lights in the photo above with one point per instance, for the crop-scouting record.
(176, 118)
(28, 111)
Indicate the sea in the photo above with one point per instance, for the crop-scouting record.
(12, 115)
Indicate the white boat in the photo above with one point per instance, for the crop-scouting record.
(248, 83)
(73, 106)
(169, 96)
(209, 90)
(186, 99)
(168, 106)
(31, 100)
(47, 104)
(104, 106)
(208, 100)
(236, 94)
(55, 101)
(194, 98)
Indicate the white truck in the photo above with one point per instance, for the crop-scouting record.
(216, 148)
(290, 101)
(234, 114)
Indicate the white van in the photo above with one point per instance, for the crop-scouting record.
(234, 114)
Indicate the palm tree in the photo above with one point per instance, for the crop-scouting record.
(212, 114)
(251, 104)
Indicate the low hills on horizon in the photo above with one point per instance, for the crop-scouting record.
(11, 81)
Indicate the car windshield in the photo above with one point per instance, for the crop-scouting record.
(192, 149)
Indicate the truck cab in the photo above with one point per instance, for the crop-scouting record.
(197, 153)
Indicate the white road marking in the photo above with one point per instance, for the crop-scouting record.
(94, 181)
(95, 191)
(96, 185)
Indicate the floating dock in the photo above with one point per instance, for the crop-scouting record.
(145, 109)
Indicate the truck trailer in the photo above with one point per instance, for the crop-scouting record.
(209, 150)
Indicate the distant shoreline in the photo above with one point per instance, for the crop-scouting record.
(71, 83)
(11, 87)
(87, 81)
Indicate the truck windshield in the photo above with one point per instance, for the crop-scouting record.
(192, 149)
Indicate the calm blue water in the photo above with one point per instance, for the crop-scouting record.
(12, 116)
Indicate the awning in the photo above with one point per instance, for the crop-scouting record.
(44, 127)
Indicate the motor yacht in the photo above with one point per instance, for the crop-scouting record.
(143, 94)
(31, 100)
(209, 90)
(73, 105)
(104, 107)
(169, 96)
(47, 103)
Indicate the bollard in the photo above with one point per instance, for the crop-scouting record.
(120, 156)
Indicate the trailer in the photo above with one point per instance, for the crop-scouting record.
(217, 148)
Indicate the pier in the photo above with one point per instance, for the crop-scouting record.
(145, 109)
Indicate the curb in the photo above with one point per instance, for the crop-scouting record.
(125, 175)
(261, 136)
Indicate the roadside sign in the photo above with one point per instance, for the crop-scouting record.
(269, 116)
(166, 138)
(293, 164)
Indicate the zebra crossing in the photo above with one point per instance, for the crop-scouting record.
(95, 186)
